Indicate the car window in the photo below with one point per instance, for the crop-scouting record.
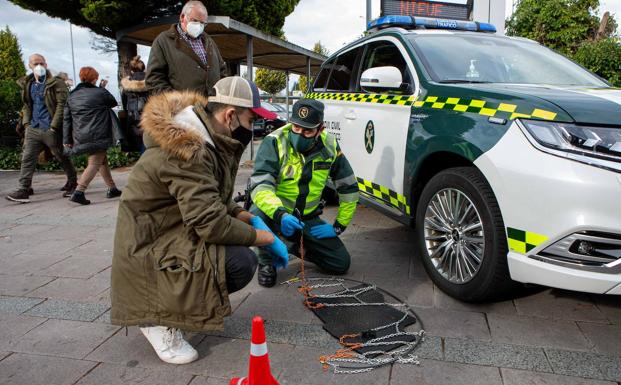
(322, 77)
(341, 76)
(385, 53)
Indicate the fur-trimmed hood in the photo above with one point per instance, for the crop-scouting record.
(169, 121)
(133, 85)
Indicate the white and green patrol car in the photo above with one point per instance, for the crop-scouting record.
(503, 155)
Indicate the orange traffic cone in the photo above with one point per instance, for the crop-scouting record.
(259, 372)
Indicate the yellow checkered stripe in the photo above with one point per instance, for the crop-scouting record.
(524, 241)
(481, 107)
(400, 100)
(392, 198)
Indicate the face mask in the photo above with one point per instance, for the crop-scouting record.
(241, 134)
(39, 71)
(195, 29)
(300, 142)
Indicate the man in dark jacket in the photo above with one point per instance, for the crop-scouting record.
(185, 57)
(44, 98)
(181, 243)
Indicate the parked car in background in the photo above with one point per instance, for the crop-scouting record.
(263, 127)
(284, 108)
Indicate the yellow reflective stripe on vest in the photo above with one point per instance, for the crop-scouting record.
(353, 197)
(347, 181)
(257, 179)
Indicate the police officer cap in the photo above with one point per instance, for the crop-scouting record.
(307, 113)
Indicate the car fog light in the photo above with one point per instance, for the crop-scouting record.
(585, 247)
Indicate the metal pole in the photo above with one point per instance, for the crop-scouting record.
(249, 65)
(72, 54)
(308, 74)
(368, 13)
(249, 54)
(287, 94)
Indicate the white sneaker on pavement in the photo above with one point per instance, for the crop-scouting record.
(170, 345)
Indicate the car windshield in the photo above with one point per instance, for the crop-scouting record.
(466, 58)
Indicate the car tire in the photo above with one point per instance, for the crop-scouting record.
(450, 242)
(268, 129)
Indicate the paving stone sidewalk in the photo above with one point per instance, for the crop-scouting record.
(55, 261)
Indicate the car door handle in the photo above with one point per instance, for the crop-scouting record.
(351, 115)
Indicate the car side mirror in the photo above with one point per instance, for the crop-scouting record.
(381, 78)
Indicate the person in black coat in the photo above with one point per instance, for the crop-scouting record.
(90, 127)
(134, 96)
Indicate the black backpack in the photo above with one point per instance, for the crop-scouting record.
(135, 105)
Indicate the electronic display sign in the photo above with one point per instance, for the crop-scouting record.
(456, 10)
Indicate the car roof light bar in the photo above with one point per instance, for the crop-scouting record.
(410, 22)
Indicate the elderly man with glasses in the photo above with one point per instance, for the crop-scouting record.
(184, 57)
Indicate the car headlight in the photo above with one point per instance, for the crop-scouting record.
(596, 146)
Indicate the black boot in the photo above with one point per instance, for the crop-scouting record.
(69, 188)
(78, 197)
(113, 192)
(267, 275)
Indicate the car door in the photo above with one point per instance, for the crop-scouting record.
(374, 126)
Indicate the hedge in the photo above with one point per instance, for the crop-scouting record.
(10, 159)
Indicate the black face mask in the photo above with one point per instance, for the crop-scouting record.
(241, 133)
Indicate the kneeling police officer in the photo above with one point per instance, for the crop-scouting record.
(291, 169)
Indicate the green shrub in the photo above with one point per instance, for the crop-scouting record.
(602, 57)
(10, 159)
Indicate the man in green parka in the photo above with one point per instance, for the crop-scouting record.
(292, 167)
(181, 244)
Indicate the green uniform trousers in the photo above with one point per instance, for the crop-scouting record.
(329, 254)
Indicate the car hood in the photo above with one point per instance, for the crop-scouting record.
(584, 105)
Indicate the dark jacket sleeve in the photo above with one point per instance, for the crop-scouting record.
(62, 94)
(108, 99)
(157, 69)
(67, 125)
(195, 187)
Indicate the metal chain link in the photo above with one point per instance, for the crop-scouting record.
(355, 362)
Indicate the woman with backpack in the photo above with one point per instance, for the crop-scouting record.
(90, 126)
(134, 96)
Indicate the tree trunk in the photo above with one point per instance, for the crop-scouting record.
(601, 32)
(126, 51)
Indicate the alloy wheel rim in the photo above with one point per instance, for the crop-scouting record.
(454, 236)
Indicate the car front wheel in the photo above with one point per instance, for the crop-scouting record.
(461, 236)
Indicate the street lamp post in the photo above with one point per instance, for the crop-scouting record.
(72, 54)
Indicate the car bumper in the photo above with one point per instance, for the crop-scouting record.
(552, 198)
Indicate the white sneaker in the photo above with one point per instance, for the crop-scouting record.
(170, 345)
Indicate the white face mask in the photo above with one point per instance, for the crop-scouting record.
(195, 29)
(39, 70)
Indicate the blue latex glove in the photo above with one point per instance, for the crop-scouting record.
(280, 254)
(258, 223)
(323, 231)
(289, 224)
